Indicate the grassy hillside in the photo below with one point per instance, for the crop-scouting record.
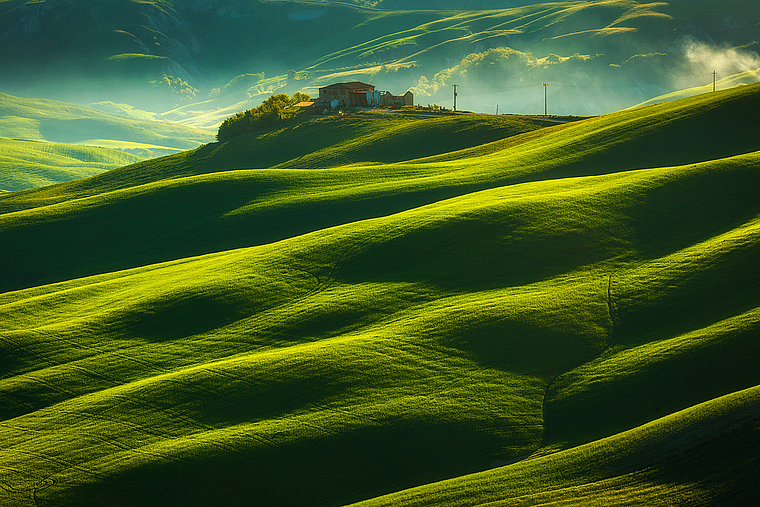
(698, 456)
(31, 164)
(61, 122)
(312, 144)
(576, 305)
(741, 79)
(90, 136)
(367, 137)
(219, 201)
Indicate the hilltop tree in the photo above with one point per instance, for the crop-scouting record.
(273, 110)
(299, 97)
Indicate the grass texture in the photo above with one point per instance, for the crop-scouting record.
(31, 164)
(563, 315)
(81, 141)
(62, 122)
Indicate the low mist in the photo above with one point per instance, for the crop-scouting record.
(582, 85)
(726, 60)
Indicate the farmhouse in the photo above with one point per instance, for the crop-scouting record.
(347, 94)
(358, 94)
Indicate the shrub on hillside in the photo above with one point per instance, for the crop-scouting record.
(272, 111)
(299, 97)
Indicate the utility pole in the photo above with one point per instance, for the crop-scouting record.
(497, 109)
(455, 98)
(715, 76)
(546, 101)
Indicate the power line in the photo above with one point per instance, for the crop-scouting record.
(637, 84)
(508, 88)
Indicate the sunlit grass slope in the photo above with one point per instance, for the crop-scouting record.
(741, 79)
(61, 122)
(577, 305)
(213, 198)
(313, 144)
(387, 138)
(362, 359)
(703, 455)
(31, 164)
(352, 386)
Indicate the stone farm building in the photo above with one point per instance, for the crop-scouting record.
(358, 94)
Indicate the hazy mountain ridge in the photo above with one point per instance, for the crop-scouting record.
(192, 39)
(119, 51)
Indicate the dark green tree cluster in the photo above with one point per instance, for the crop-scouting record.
(272, 111)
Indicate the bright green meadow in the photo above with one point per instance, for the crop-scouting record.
(62, 122)
(31, 164)
(395, 310)
(45, 141)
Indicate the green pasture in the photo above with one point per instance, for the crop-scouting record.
(31, 164)
(219, 200)
(741, 79)
(61, 122)
(367, 137)
(702, 455)
(59, 126)
(562, 314)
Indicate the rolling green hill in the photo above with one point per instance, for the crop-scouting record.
(219, 200)
(61, 122)
(30, 164)
(574, 305)
(327, 142)
(91, 139)
(699, 456)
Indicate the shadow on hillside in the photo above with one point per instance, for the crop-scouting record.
(333, 465)
(181, 316)
(519, 347)
(471, 254)
(693, 204)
